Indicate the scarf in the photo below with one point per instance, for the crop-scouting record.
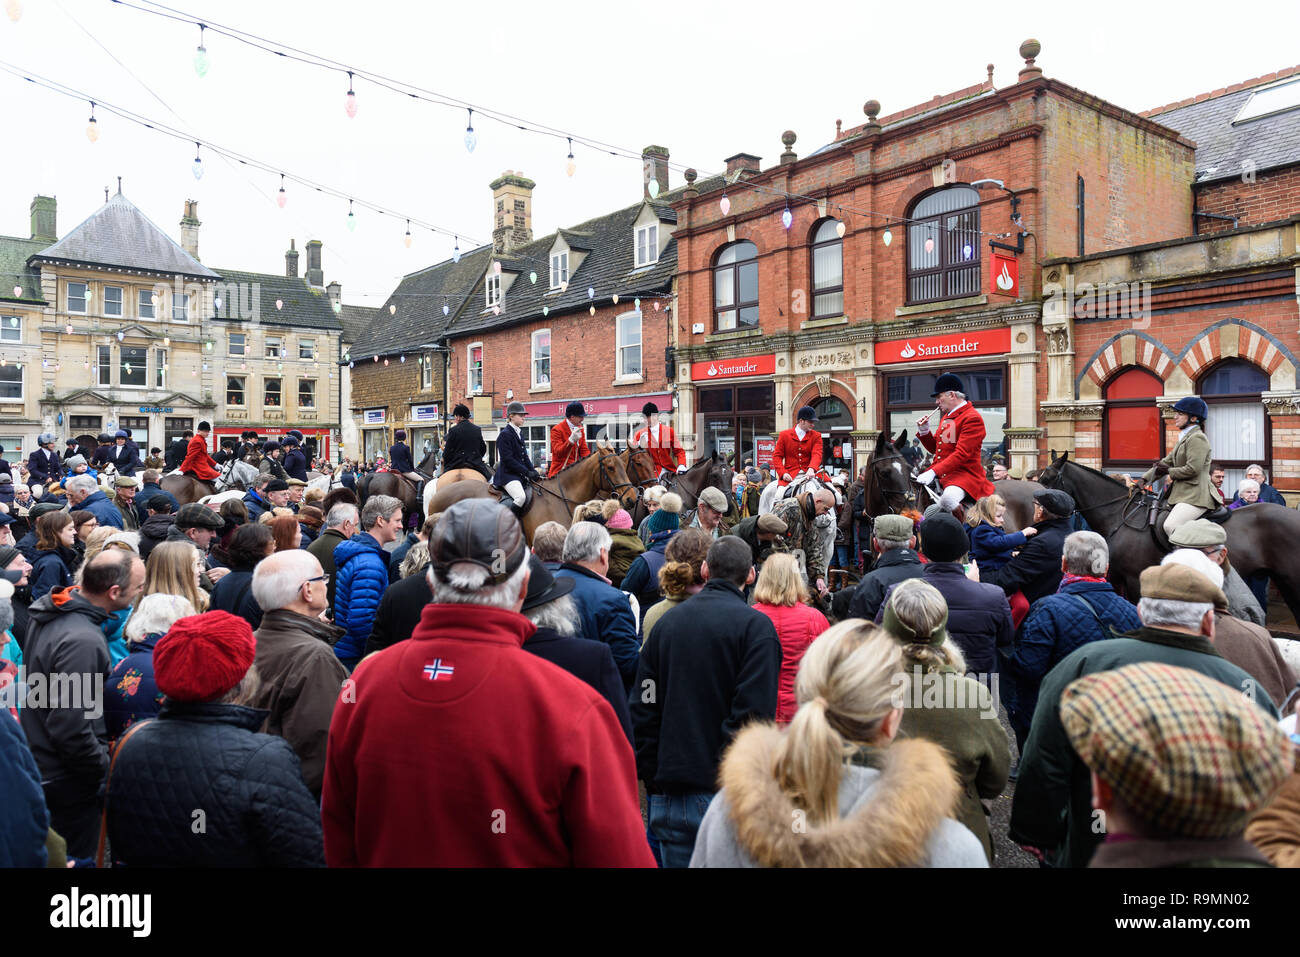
(1068, 579)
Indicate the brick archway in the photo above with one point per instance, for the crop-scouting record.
(809, 393)
(1128, 348)
(1253, 344)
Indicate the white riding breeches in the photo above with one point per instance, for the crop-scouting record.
(1181, 514)
(515, 489)
(951, 497)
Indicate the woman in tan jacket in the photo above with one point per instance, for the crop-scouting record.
(1187, 466)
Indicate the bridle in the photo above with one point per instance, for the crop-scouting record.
(603, 483)
(873, 482)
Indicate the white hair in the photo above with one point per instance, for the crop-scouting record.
(1257, 468)
(341, 513)
(278, 577)
(155, 615)
(82, 483)
(1247, 485)
(584, 542)
(469, 584)
(1170, 611)
(559, 614)
(1086, 553)
(1197, 561)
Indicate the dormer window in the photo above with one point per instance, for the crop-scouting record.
(493, 290)
(647, 244)
(559, 269)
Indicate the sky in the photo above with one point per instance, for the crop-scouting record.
(707, 80)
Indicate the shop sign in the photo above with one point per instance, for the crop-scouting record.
(165, 410)
(1004, 275)
(731, 368)
(374, 416)
(987, 342)
(765, 448)
(618, 405)
(424, 413)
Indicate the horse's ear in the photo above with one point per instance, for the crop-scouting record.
(900, 443)
(882, 443)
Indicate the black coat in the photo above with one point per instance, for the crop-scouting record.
(398, 612)
(295, 464)
(464, 448)
(399, 457)
(513, 463)
(175, 454)
(234, 593)
(892, 567)
(199, 787)
(592, 661)
(712, 665)
(42, 466)
(126, 459)
(1036, 571)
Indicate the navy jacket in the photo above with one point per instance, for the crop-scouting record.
(891, 568)
(1036, 571)
(102, 454)
(397, 556)
(234, 593)
(41, 465)
(257, 812)
(130, 692)
(175, 454)
(991, 547)
(102, 507)
(399, 457)
(979, 617)
(606, 616)
(642, 578)
(361, 575)
(150, 490)
(51, 570)
(255, 505)
(513, 463)
(589, 660)
(125, 459)
(295, 463)
(24, 822)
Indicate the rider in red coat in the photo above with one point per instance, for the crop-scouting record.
(957, 446)
(661, 441)
(798, 449)
(197, 461)
(568, 439)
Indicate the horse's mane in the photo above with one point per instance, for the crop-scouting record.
(1089, 469)
(573, 465)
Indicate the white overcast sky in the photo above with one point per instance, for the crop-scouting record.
(705, 79)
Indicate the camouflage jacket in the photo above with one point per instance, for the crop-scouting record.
(801, 535)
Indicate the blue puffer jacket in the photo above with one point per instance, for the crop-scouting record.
(642, 578)
(50, 571)
(256, 810)
(991, 546)
(255, 505)
(23, 819)
(102, 507)
(606, 616)
(1056, 626)
(361, 575)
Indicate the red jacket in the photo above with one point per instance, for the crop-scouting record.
(666, 451)
(797, 626)
(457, 748)
(792, 456)
(564, 452)
(198, 461)
(957, 451)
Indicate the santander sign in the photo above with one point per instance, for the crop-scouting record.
(989, 342)
(732, 368)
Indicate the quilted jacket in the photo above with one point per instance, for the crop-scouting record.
(991, 547)
(199, 787)
(361, 576)
(606, 616)
(23, 820)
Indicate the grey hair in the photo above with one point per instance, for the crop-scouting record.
(1247, 485)
(469, 584)
(82, 483)
(559, 614)
(584, 542)
(1086, 553)
(341, 513)
(7, 613)
(155, 614)
(887, 543)
(1155, 612)
(1257, 468)
(278, 578)
(377, 507)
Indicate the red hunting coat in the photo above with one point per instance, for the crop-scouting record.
(792, 456)
(198, 461)
(563, 452)
(666, 451)
(956, 449)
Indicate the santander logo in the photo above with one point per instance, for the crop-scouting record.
(1005, 281)
(907, 351)
(713, 370)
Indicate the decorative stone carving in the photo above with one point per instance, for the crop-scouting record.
(1058, 340)
(823, 385)
(834, 359)
(1058, 411)
(1284, 403)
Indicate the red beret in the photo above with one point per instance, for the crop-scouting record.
(203, 656)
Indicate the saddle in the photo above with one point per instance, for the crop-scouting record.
(509, 502)
(1158, 509)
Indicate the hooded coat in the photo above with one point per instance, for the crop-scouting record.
(24, 822)
(155, 530)
(897, 816)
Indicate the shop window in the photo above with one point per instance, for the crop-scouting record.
(737, 423)
(175, 427)
(1238, 428)
(735, 287)
(1133, 432)
(943, 246)
(235, 394)
(907, 398)
(827, 271)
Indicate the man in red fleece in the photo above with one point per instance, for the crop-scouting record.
(457, 748)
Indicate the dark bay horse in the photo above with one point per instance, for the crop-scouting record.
(1262, 538)
(641, 472)
(712, 471)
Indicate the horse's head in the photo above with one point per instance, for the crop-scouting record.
(888, 474)
(1056, 473)
(641, 468)
(612, 477)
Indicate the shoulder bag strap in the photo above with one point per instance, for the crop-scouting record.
(103, 814)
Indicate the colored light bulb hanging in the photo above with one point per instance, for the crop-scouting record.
(92, 127)
(352, 219)
(929, 244)
(455, 253)
(198, 163)
(14, 9)
(724, 204)
(18, 291)
(445, 309)
(283, 198)
(407, 238)
(471, 140)
(887, 237)
(787, 218)
(350, 101)
(496, 266)
(570, 167)
(839, 229)
(201, 56)
(279, 304)
(392, 309)
(68, 328)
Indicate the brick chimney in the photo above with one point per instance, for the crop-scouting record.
(744, 164)
(190, 228)
(315, 275)
(654, 168)
(335, 291)
(44, 226)
(512, 211)
(291, 261)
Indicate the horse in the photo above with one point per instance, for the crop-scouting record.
(711, 472)
(641, 472)
(232, 475)
(1261, 537)
(599, 475)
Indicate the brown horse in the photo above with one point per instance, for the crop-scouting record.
(400, 488)
(713, 471)
(187, 488)
(599, 475)
(643, 473)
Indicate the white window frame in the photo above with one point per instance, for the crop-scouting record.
(535, 358)
(144, 305)
(121, 359)
(312, 405)
(559, 269)
(243, 387)
(271, 348)
(647, 254)
(11, 332)
(243, 344)
(266, 384)
(8, 369)
(160, 358)
(492, 290)
(472, 388)
(13, 453)
(84, 297)
(104, 368)
(121, 302)
(426, 371)
(306, 348)
(621, 348)
(181, 310)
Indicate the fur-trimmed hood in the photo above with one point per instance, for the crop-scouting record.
(888, 817)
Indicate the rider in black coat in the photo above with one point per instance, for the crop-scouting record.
(464, 447)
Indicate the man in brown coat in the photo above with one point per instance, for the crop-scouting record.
(300, 675)
(341, 523)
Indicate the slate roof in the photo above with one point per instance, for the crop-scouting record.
(14, 270)
(1225, 151)
(356, 320)
(119, 235)
(301, 305)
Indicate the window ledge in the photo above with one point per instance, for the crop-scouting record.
(629, 380)
(539, 388)
(942, 304)
(733, 334)
(822, 323)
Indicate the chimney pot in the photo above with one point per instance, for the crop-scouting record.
(315, 275)
(291, 261)
(190, 228)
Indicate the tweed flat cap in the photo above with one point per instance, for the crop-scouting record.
(1201, 533)
(194, 515)
(1179, 583)
(771, 523)
(126, 481)
(894, 527)
(1192, 757)
(713, 498)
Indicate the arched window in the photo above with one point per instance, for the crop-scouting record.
(827, 271)
(735, 287)
(943, 246)
(1133, 432)
(1238, 429)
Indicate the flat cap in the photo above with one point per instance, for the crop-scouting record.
(1055, 501)
(195, 515)
(277, 485)
(713, 498)
(44, 508)
(1180, 583)
(1201, 533)
(126, 481)
(1189, 755)
(770, 523)
(481, 532)
(293, 481)
(895, 527)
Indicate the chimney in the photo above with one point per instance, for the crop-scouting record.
(291, 261)
(335, 291)
(315, 275)
(190, 228)
(742, 166)
(512, 211)
(43, 219)
(654, 169)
